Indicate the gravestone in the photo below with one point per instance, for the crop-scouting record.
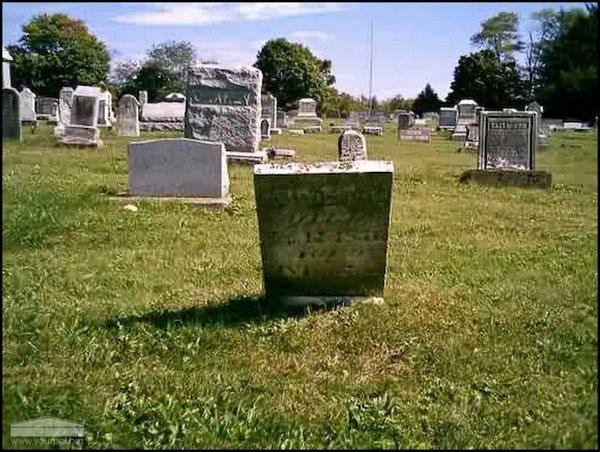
(143, 97)
(296, 132)
(352, 146)
(448, 118)
(404, 120)
(223, 105)
(65, 103)
(11, 114)
(269, 108)
(467, 114)
(507, 145)
(281, 119)
(178, 167)
(538, 110)
(419, 135)
(44, 107)
(27, 99)
(372, 130)
(83, 130)
(163, 112)
(307, 108)
(324, 229)
(6, 61)
(507, 141)
(128, 117)
(265, 129)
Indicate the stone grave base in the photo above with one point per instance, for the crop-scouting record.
(275, 131)
(372, 130)
(339, 129)
(295, 132)
(247, 157)
(81, 136)
(277, 152)
(418, 138)
(313, 129)
(299, 300)
(204, 203)
(508, 178)
(161, 125)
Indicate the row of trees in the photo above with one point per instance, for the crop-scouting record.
(559, 67)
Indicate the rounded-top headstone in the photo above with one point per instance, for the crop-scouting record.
(352, 146)
(11, 114)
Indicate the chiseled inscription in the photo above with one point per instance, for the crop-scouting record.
(234, 96)
(508, 143)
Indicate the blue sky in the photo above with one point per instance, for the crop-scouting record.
(414, 43)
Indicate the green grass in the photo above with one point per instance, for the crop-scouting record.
(149, 326)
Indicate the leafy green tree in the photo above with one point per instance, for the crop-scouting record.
(156, 79)
(569, 68)
(499, 34)
(291, 72)
(427, 100)
(176, 57)
(491, 83)
(56, 51)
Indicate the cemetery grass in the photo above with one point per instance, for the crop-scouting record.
(149, 327)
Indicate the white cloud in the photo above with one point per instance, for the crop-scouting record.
(231, 52)
(174, 14)
(311, 36)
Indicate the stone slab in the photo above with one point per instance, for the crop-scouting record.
(81, 136)
(296, 132)
(224, 105)
(247, 157)
(508, 178)
(178, 167)
(324, 229)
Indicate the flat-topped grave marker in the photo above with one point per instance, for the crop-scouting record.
(324, 230)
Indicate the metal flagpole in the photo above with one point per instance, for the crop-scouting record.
(371, 73)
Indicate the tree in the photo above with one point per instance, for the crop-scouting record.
(569, 67)
(499, 34)
(547, 29)
(156, 79)
(291, 72)
(162, 72)
(176, 57)
(491, 83)
(56, 51)
(427, 100)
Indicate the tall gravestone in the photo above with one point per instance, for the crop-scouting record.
(404, 120)
(178, 167)
(27, 99)
(507, 146)
(143, 97)
(281, 119)
(324, 229)
(128, 123)
(65, 103)
(11, 114)
(224, 105)
(466, 115)
(269, 109)
(352, 146)
(83, 129)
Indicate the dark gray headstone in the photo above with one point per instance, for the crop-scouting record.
(11, 114)
(265, 128)
(507, 140)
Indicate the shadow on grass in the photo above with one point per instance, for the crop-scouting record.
(235, 312)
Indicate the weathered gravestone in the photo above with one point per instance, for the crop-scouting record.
(269, 108)
(281, 119)
(83, 130)
(128, 124)
(27, 99)
(178, 167)
(265, 129)
(324, 230)
(467, 114)
(143, 98)
(507, 145)
(65, 103)
(105, 109)
(307, 108)
(44, 107)
(404, 120)
(352, 146)
(11, 114)
(223, 105)
(448, 118)
(538, 110)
